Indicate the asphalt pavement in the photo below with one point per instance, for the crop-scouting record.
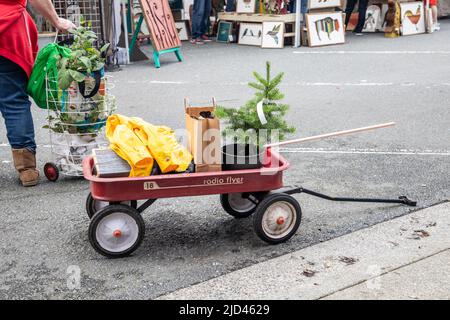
(368, 80)
(402, 258)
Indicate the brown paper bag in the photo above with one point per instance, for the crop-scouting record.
(204, 138)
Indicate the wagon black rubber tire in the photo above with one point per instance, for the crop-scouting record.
(91, 209)
(225, 202)
(105, 212)
(51, 171)
(264, 205)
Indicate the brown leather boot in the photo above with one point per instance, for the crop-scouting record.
(25, 163)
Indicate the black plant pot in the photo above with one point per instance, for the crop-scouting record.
(241, 157)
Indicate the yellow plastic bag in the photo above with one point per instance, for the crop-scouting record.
(163, 146)
(159, 141)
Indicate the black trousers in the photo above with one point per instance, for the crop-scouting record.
(362, 8)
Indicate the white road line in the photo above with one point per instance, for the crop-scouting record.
(151, 82)
(362, 83)
(372, 52)
(367, 151)
(348, 84)
(425, 152)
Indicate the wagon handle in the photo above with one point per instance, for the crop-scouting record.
(333, 134)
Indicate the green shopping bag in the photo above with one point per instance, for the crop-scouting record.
(46, 66)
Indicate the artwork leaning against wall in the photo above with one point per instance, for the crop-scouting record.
(325, 28)
(250, 34)
(413, 18)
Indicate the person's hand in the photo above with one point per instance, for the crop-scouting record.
(64, 25)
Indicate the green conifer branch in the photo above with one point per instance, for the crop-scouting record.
(246, 117)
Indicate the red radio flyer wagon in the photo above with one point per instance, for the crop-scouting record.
(117, 227)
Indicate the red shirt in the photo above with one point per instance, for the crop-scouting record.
(18, 34)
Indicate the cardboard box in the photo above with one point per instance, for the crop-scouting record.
(204, 141)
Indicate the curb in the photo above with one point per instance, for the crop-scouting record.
(323, 269)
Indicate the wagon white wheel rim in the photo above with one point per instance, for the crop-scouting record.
(117, 232)
(279, 219)
(239, 203)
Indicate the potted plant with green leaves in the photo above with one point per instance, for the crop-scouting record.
(249, 129)
(82, 88)
(84, 60)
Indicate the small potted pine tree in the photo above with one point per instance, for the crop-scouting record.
(247, 130)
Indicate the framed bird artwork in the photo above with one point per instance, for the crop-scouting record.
(250, 34)
(272, 35)
(245, 6)
(373, 16)
(413, 18)
(182, 30)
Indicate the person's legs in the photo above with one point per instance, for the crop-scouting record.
(434, 12)
(206, 16)
(15, 106)
(362, 8)
(230, 6)
(348, 10)
(291, 6)
(198, 11)
(304, 6)
(15, 109)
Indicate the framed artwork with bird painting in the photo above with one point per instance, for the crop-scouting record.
(272, 35)
(413, 18)
(373, 16)
(245, 6)
(250, 34)
(182, 30)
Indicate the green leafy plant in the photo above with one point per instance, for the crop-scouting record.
(84, 58)
(86, 115)
(245, 119)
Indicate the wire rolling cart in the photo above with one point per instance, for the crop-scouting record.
(76, 118)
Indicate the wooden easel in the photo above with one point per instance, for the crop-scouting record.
(156, 51)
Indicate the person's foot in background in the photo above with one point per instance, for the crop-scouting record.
(197, 41)
(205, 38)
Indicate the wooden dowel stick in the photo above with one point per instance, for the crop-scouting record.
(333, 134)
